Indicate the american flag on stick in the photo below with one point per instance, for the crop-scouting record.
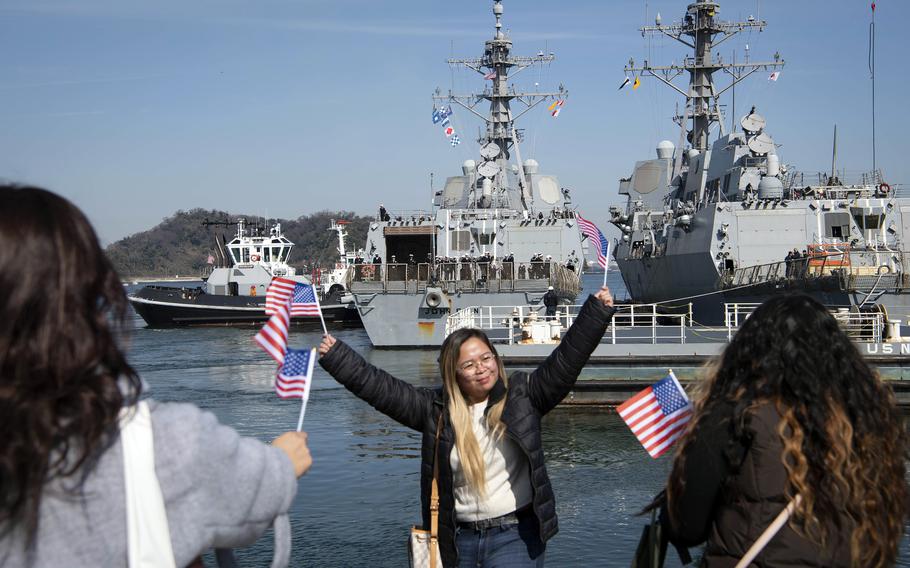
(294, 378)
(294, 374)
(597, 238)
(301, 295)
(658, 414)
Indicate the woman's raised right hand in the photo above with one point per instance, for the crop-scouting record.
(327, 342)
(294, 445)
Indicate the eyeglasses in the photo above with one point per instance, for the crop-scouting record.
(482, 361)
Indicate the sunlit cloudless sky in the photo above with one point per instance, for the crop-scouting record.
(281, 108)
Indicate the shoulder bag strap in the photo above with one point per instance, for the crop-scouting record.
(148, 535)
(434, 498)
(769, 533)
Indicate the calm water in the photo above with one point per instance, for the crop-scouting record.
(357, 502)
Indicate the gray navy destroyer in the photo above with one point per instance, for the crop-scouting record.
(501, 233)
(728, 221)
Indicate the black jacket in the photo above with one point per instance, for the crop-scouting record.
(528, 398)
(735, 487)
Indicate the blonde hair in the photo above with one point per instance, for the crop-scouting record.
(466, 443)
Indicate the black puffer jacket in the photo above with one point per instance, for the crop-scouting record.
(528, 398)
(734, 490)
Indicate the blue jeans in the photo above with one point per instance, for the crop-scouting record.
(515, 545)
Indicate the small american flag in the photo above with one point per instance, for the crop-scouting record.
(295, 374)
(273, 337)
(301, 295)
(658, 414)
(598, 239)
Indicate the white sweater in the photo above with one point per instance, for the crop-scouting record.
(507, 481)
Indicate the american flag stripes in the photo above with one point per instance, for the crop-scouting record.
(273, 337)
(293, 380)
(295, 366)
(302, 297)
(658, 414)
(597, 238)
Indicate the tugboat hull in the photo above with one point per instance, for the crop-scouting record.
(162, 306)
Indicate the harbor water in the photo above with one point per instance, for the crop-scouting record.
(355, 506)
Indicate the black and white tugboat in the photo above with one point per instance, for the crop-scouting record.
(233, 290)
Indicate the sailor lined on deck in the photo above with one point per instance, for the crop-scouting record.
(495, 498)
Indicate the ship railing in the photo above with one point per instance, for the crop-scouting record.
(858, 325)
(632, 323)
(810, 267)
(855, 269)
(463, 276)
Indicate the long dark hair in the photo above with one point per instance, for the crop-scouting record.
(845, 446)
(61, 366)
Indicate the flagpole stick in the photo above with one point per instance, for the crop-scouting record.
(303, 401)
(321, 319)
(606, 263)
(306, 389)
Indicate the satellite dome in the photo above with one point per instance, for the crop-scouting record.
(665, 149)
(468, 166)
(531, 166)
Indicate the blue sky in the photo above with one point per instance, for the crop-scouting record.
(281, 108)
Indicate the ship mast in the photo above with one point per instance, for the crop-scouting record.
(698, 30)
(501, 135)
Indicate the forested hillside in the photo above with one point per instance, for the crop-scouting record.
(180, 244)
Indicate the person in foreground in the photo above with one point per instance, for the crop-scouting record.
(791, 409)
(64, 380)
(496, 504)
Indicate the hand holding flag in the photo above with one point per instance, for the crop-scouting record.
(658, 415)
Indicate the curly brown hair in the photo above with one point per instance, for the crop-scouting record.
(845, 443)
(63, 374)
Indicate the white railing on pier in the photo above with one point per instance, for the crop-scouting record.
(859, 326)
(635, 323)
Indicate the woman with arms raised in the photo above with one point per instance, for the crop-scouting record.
(791, 413)
(68, 398)
(497, 507)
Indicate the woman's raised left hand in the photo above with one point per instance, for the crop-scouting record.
(605, 296)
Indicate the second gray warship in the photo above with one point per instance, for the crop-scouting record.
(730, 222)
(501, 233)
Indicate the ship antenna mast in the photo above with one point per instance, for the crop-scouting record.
(697, 30)
(501, 132)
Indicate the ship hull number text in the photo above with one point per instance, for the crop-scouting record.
(886, 348)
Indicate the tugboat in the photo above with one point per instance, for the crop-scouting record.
(233, 291)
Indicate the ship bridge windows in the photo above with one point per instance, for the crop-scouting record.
(867, 219)
(837, 225)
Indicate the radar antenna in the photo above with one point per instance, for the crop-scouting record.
(698, 30)
(501, 135)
